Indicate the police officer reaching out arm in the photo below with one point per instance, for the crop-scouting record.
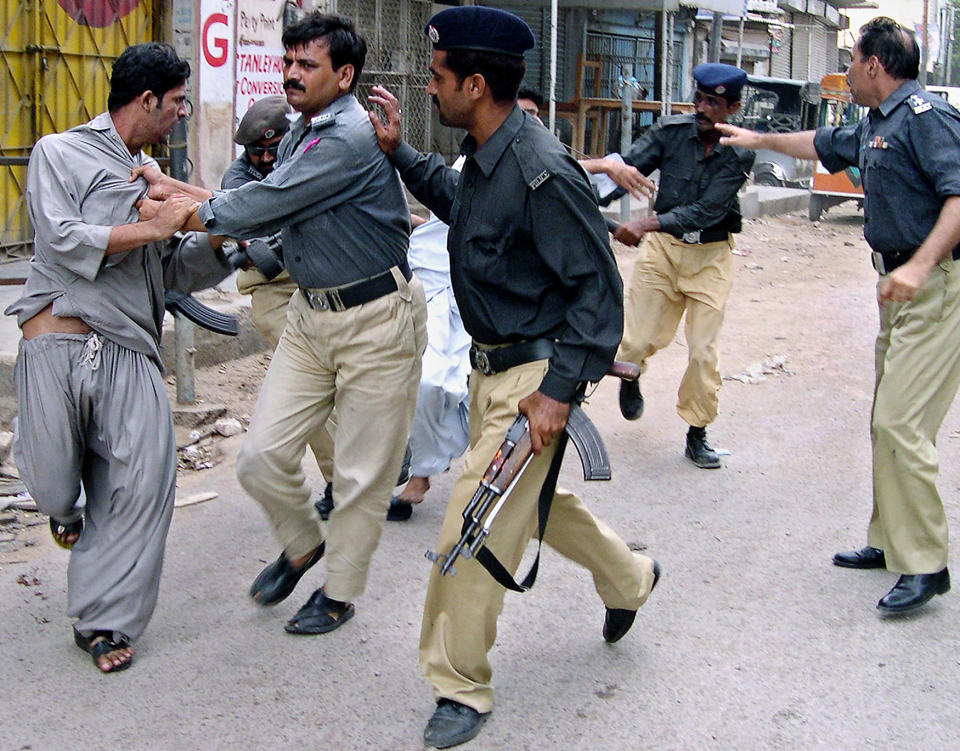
(908, 151)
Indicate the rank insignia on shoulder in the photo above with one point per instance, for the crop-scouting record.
(918, 104)
(323, 121)
(539, 180)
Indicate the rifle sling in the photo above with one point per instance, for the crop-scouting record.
(489, 561)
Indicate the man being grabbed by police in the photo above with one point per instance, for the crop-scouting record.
(540, 294)
(93, 410)
(685, 264)
(908, 151)
(355, 328)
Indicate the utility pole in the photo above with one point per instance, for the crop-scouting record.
(925, 57)
(716, 30)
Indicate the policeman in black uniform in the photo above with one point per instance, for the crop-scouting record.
(908, 151)
(539, 292)
(685, 262)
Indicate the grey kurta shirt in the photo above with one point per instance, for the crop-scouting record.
(334, 195)
(78, 189)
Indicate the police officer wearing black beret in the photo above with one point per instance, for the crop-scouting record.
(539, 292)
(685, 263)
(908, 151)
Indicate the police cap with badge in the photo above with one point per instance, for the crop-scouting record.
(477, 27)
(720, 79)
(266, 119)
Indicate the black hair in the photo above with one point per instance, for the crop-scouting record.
(503, 73)
(527, 91)
(344, 44)
(894, 46)
(152, 66)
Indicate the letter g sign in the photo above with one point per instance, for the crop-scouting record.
(214, 47)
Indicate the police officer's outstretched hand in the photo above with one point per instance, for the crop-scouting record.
(388, 130)
(547, 417)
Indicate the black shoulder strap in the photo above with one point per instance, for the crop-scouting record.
(489, 561)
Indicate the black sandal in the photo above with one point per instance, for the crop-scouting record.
(59, 530)
(100, 643)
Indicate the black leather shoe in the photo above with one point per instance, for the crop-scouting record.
(325, 505)
(631, 400)
(399, 511)
(618, 621)
(864, 558)
(913, 590)
(698, 450)
(279, 578)
(319, 615)
(452, 723)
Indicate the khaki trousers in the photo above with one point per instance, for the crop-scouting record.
(671, 277)
(460, 614)
(268, 306)
(918, 372)
(366, 360)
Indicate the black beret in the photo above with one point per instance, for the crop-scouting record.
(720, 79)
(266, 118)
(477, 27)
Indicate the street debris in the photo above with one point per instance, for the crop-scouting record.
(758, 371)
(190, 500)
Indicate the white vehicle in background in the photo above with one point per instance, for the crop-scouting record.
(950, 93)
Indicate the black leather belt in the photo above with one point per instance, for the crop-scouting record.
(705, 236)
(884, 263)
(357, 293)
(499, 359)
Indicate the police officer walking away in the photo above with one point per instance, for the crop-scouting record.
(908, 151)
(685, 262)
(540, 294)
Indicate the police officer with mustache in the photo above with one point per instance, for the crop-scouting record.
(685, 263)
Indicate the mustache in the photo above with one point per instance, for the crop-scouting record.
(291, 84)
(703, 119)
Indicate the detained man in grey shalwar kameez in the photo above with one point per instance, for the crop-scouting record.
(93, 409)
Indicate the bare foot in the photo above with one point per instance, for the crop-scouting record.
(415, 490)
(114, 659)
(65, 534)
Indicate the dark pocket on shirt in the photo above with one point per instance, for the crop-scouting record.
(673, 184)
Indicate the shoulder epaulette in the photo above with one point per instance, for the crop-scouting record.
(323, 121)
(918, 104)
(540, 179)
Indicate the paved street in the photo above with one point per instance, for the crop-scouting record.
(751, 641)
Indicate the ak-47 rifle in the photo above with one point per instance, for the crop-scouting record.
(508, 465)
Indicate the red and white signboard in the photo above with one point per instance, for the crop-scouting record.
(217, 55)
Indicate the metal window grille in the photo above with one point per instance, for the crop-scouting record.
(397, 57)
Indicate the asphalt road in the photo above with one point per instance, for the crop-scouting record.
(752, 639)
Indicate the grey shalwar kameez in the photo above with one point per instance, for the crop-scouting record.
(92, 407)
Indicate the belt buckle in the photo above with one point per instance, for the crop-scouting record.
(482, 362)
(878, 264)
(317, 300)
(691, 238)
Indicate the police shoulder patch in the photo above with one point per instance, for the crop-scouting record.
(539, 180)
(918, 104)
(323, 121)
